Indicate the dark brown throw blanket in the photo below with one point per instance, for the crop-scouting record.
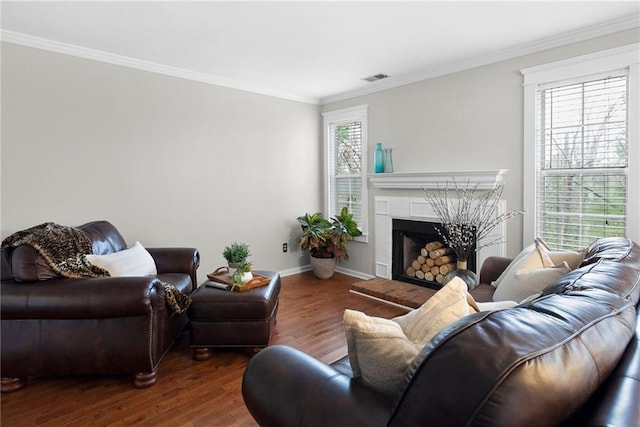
(63, 249)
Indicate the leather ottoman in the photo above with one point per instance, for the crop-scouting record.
(220, 318)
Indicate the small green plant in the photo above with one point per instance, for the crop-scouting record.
(244, 267)
(236, 253)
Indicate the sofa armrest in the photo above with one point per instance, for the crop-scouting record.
(177, 260)
(284, 387)
(92, 298)
(492, 268)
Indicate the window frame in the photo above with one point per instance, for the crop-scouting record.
(582, 67)
(337, 118)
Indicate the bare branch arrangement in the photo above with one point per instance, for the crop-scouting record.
(468, 216)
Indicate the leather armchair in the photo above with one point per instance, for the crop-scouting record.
(92, 326)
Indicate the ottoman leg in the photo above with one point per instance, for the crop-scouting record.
(202, 353)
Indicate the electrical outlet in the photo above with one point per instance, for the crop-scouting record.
(285, 247)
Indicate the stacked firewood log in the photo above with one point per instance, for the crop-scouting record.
(433, 263)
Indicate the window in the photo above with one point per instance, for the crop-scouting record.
(584, 161)
(582, 152)
(345, 146)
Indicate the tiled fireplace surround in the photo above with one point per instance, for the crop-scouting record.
(416, 208)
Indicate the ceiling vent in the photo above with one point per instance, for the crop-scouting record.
(375, 77)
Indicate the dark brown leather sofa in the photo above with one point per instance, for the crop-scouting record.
(571, 357)
(93, 326)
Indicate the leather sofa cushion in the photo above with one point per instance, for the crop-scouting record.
(28, 266)
(105, 237)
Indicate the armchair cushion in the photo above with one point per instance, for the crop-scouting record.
(135, 261)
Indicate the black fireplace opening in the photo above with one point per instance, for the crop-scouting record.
(409, 242)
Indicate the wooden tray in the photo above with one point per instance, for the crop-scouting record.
(222, 275)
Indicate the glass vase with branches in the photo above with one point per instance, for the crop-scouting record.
(468, 217)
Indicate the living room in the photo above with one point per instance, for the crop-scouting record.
(103, 128)
(173, 161)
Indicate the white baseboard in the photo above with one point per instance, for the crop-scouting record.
(295, 270)
(348, 272)
(354, 273)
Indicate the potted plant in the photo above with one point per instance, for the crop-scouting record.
(326, 240)
(236, 253)
(242, 275)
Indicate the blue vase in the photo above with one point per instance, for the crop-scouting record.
(388, 160)
(378, 159)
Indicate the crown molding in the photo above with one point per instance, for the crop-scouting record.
(587, 33)
(390, 83)
(125, 61)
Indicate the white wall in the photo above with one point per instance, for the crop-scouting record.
(469, 120)
(175, 162)
(170, 162)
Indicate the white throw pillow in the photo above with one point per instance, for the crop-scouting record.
(497, 305)
(533, 256)
(135, 261)
(529, 258)
(381, 350)
(526, 282)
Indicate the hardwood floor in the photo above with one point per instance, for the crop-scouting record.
(191, 393)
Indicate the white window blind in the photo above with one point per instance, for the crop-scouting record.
(345, 148)
(582, 160)
(346, 167)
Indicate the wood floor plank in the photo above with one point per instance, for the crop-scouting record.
(191, 393)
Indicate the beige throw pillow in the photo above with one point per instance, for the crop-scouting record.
(572, 258)
(381, 350)
(135, 261)
(552, 258)
(443, 308)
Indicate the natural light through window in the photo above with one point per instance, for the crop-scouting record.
(345, 164)
(582, 149)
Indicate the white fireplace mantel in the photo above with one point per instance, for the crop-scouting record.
(484, 180)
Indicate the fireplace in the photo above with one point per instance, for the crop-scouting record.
(413, 244)
(416, 209)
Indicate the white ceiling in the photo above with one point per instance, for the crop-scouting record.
(308, 51)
